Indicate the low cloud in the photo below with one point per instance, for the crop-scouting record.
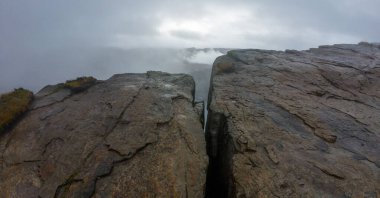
(188, 35)
(47, 41)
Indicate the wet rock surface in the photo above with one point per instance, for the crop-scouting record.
(134, 135)
(295, 123)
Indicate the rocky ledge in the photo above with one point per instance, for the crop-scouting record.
(295, 123)
(134, 135)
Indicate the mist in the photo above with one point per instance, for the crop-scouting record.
(102, 63)
(47, 42)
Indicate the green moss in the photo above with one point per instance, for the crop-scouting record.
(13, 105)
(80, 84)
(232, 54)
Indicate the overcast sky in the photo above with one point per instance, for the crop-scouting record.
(26, 24)
(40, 32)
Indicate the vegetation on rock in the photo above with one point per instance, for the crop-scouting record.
(13, 105)
(80, 84)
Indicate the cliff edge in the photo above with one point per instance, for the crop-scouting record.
(134, 135)
(295, 123)
(279, 124)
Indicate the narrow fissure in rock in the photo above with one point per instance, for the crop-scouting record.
(220, 151)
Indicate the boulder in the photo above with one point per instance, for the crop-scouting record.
(295, 123)
(133, 135)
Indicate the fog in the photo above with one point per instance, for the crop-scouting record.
(46, 42)
(58, 66)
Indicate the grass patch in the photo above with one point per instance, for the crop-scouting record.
(13, 105)
(80, 84)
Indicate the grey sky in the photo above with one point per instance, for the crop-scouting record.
(271, 24)
(46, 36)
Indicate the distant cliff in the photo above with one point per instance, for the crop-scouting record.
(280, 124)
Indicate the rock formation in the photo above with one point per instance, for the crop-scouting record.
(295, 123)
(279, 124)
(134, 135)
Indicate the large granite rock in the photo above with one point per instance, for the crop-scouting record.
(295, 123)
(134, 135)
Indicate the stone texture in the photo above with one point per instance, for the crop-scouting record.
(134, 135)
(295, 123)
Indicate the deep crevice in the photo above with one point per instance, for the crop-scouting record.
(220, 150)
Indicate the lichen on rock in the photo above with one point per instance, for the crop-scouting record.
(13, 105)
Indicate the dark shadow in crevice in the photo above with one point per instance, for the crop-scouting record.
(220, 150)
